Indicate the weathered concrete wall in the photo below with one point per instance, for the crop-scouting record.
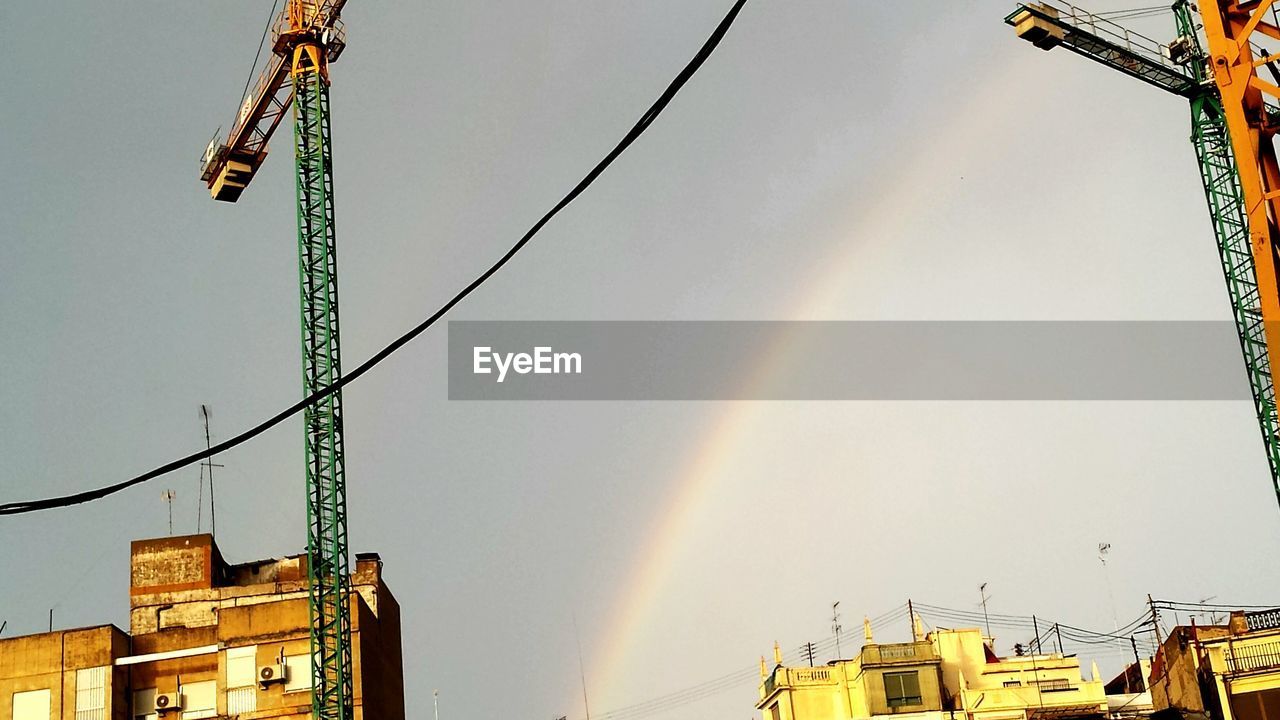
(173, 563)
(50, 661)
(184, 598)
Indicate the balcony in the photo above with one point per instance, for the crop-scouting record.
(1252, 658)
(797, 677)
(898, 654)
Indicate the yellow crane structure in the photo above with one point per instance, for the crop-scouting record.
(306, 36)
(1235, 115)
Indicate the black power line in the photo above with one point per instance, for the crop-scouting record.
(26, 506)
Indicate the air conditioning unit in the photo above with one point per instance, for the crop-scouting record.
(166, 702)
(268, 674)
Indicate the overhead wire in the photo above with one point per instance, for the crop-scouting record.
(701, 691)
(256, 56)
(1097, 644)
(1133, 13)
(1177, 605)
(692, 67)
(733, 680)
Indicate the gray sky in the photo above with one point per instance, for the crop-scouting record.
(834, 160)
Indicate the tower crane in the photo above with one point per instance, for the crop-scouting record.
(306, 37)
(1235, 115)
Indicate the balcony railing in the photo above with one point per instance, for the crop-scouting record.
(792, 677)
(1248, 658)
(897, 653)
(1262, 620)
(810, 676)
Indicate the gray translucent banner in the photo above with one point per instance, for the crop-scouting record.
(720, 360)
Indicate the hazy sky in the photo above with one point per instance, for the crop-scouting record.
(834, 160)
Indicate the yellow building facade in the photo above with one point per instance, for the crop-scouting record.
(944, 674)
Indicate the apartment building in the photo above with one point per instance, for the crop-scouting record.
(942, 674)
(206, 639)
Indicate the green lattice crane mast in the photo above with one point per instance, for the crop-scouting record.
(306, 37)
(1182, 67)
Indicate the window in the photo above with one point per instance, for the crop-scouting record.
(1012, 683)
(1054, 684)
(774, 712)
(144, 704)
(199, 699)
(91, 694)
(297, 673)
(902, 689)
(242, 679)
(31, 705)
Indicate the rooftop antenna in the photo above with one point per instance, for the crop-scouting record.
(982, 591)
(208, 465)
(168, 496)
(835, 626)
(1213, 614)
(581, 668)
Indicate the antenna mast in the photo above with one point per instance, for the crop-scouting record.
(835, 626)
(208, 465)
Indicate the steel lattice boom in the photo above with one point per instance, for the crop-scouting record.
(1236, 172)
(307, 37)
(326, 481)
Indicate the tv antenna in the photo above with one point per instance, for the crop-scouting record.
(168, 496)
(835, 626)
(982, 591)
(206, 466)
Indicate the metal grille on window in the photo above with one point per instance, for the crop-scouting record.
(242, 674)
(91, 694)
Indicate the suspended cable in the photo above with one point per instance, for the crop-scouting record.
(26, 506)
(1175, 605)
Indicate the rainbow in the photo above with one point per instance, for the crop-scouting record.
(875, 218)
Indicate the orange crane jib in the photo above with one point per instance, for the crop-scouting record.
(304, 28)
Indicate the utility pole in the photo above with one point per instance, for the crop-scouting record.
(1058, 631)
(807, 651)
(1155, 620)
(435, 701)
(982, 591)
(835, 626)
(1137, 663)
